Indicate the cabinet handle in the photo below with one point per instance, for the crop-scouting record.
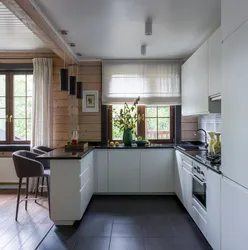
(10, 118)
(7, 118)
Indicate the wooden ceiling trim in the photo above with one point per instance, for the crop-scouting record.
(30, 17)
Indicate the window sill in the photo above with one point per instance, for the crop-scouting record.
(13, 147)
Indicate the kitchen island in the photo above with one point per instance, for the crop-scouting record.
(75, 176)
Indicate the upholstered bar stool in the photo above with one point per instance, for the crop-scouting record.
(26, 167)
(46, 163)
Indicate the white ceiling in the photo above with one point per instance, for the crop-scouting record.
(15, 36)
(115, 28)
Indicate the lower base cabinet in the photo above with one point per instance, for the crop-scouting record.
(234, 219)
(124, 171)
(72, 186)
(187, 186)
(213, 209)
(137, 170)
(157, 171)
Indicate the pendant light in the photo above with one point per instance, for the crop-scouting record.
(72, 83)
(79, 92)
(64, 78)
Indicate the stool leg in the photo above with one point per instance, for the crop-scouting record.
(37, 189)
(26, 201)
(42, 184)
(18, 197)
(48, 195)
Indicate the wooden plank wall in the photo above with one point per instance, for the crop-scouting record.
(90, 74)
(60, 107)
(189, 126)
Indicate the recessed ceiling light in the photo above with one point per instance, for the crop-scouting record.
(64, 32)
(148, 27)
(143, 49)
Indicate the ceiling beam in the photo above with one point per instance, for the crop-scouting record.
(35, 21)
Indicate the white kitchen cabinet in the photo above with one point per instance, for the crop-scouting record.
(124, 170)
(187, 186)
(72, 185)
(234, 106)
(195, 99)
(178, 181)
(157, 171)
(213, 208)
(233, 15)
(101, 170)
(234, 219)
(187, 84)
(214, 44)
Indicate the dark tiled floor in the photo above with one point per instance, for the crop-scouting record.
(130, 223)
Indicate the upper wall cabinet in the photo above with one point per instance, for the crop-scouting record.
(195, 83)
(233, 14)
(214, 44)
(201, 78)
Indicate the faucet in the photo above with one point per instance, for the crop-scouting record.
(206, 137)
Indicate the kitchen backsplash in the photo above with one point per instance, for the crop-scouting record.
(211, 123)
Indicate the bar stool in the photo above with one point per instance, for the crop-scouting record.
(26, 166)
(46, 163)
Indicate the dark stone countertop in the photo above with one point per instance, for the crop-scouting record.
(134, 146)
(192, 154)
(62, 154)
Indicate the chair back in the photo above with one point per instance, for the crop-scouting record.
(26, 165)
(42, 149)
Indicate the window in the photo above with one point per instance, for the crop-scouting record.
(157, 126)
(15, 107)
(114, 132)
(157, 123)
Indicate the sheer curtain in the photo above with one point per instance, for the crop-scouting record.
(156, 82)
(41, 104)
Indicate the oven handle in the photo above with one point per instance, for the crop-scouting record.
(199, 180)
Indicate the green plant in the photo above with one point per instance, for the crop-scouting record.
(128, 117)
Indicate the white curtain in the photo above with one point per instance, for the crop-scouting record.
(156, 82)
(41, 104)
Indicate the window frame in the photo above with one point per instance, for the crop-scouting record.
(9, 102)
(141, 125)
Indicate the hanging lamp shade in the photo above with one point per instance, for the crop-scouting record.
(79, 93)
(64, 79)
(72, 85)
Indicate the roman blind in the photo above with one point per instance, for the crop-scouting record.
(156, 82)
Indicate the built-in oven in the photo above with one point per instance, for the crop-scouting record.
(199, 196)
(199, 186)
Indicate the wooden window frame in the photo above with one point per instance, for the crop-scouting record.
(10, 105)
(141, 126)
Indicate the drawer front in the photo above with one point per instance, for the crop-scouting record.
(84, 177)
(187, 159)
(187, 166)
(199, 220)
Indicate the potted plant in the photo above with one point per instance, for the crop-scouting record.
(126, 120)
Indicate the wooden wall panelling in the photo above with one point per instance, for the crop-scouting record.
(90, 74)
(189, 126)
(60, 107)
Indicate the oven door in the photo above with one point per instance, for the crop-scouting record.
(199, 189)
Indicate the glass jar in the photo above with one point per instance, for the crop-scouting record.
(74, 138)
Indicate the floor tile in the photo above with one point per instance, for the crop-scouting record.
(126, 230)
(161, 244)
(118, 243)
(92, 243)
(130, 223)
(100, 228)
